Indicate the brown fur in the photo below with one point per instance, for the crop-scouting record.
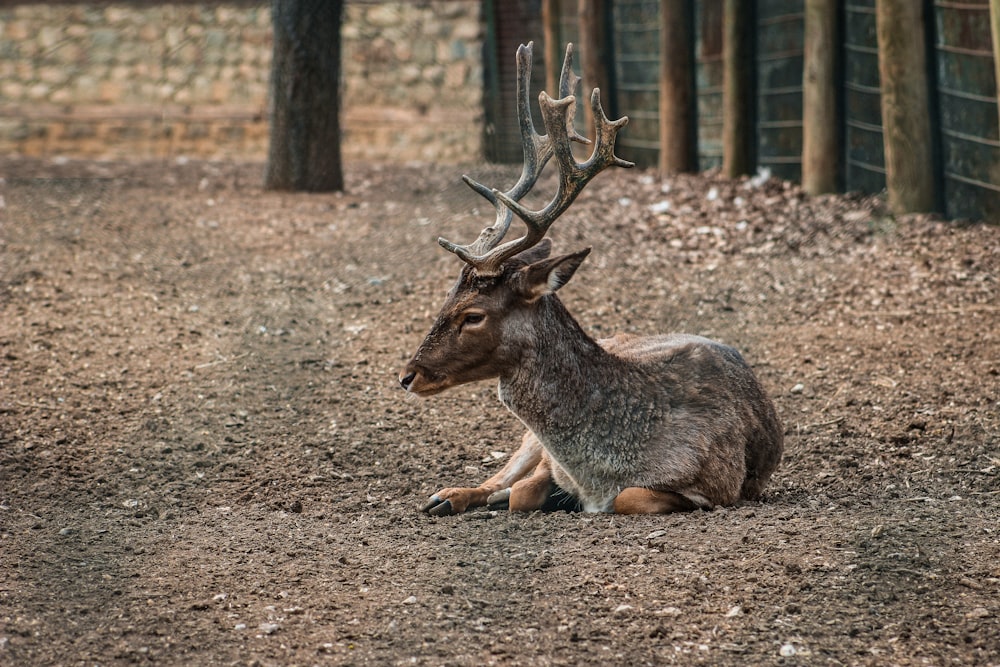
(672, 422)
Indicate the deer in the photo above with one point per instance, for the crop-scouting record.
(629, 424)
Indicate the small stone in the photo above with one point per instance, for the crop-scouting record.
(410, 600)
(798, 388)
(979, 612)
(787, 650)
(268, 628)
(622, 608)
(734, 611)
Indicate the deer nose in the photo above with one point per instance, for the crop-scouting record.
(407, 380)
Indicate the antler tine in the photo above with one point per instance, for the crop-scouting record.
(568, 81)
(573, 176)
(537, 150)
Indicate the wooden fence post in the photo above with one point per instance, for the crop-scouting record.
(551, 48)
(678, 143)
(820, 151)
(995, 32)
(593, 58)
(906, 128)
(737, 96)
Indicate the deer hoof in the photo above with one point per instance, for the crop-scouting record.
(438, 506)
(499, 500)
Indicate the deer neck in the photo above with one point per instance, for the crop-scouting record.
(558, 367)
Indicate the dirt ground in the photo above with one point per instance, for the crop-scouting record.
(205, 457)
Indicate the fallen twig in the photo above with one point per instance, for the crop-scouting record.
(220, 361)
(826, 423)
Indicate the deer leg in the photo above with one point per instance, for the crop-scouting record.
(456, 500)
(530, 494)
(637, 500)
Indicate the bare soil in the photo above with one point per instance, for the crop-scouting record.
(205, 458)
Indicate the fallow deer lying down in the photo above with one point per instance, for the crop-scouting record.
(628, 424)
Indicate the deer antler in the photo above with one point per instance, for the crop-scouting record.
(486, 254)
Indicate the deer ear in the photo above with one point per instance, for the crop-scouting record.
(545, 277)
(536, 253)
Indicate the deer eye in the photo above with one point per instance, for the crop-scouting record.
(472, 319)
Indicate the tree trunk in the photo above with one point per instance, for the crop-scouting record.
(737, 95)
(305, 97)
(906, 127)
(820, 151)
(678, 138)
(593, 58)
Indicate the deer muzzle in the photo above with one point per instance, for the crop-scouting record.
(418, 381)
(406, 378)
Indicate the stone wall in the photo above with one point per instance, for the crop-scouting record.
(138, 80)
(413, 79)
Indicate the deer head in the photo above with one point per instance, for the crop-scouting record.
(487, 320)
